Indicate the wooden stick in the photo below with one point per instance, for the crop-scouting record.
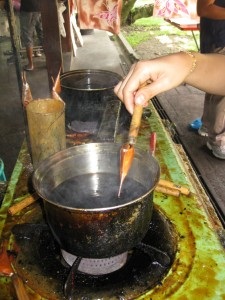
(183, 190)
(19, 287)
(15, 208)
(135, 124)
(6, 269)
(167, 191)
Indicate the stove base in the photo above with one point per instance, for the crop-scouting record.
(39, 260)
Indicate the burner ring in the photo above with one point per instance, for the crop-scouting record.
(97, 266)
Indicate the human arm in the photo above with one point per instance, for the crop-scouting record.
(167, 72)
(207, 9)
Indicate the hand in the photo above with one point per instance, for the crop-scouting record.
(146, 79)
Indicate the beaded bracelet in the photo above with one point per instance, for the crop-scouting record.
(194, 60)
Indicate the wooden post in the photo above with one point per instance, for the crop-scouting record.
(15, 37)
(66, 41)
(52, 39)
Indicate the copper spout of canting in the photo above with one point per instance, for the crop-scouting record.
(127, 150)
(126, 159)
(121, 183)
(56, 89)
(26, 92)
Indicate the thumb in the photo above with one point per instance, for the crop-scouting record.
(144, 95)
(141, 99)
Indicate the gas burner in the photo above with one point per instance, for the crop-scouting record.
(39, 259)
(94, 266)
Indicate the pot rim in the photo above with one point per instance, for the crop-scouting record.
(93, 210)
(87, 72)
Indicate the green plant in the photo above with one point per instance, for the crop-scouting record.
(147, 28)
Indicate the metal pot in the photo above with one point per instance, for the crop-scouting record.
(86, 93)
(106, 229)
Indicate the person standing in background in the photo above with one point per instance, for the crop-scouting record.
(212, 40)
(30, 21)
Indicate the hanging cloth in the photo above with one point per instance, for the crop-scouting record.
(175, 8)
(101, 14)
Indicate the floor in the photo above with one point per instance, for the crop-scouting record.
(178, 106)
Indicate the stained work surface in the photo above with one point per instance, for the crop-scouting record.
(195, 221)
(199, 264)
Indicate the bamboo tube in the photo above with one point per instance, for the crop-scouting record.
(46, 124)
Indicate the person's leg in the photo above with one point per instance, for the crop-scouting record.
(214, 120)
(27, 21)
(39, 30)
(30, 65)
(203, 130)
(207, 110)
(202, 124)
(39, 35)
(216, 129)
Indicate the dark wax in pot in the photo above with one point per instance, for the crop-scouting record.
(91, 191)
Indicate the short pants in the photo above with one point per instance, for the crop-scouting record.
(29, 22)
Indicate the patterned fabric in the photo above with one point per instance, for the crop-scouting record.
(170, 8)
(101, 14)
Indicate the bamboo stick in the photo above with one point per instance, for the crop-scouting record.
(183, 190)
(17, 207)
(167, 191)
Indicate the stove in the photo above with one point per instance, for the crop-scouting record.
(181, 257)
(39, 259)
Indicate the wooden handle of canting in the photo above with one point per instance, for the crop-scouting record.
(135, 124)
(15, 208)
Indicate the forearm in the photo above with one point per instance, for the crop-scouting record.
(149, 78)
(209, 74)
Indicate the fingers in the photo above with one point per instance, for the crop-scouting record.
(119, 88)
(127, 88)
(146, 79)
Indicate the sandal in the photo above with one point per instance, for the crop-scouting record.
(27, 68)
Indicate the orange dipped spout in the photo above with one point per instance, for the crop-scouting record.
(126, 159)
(26, 92)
